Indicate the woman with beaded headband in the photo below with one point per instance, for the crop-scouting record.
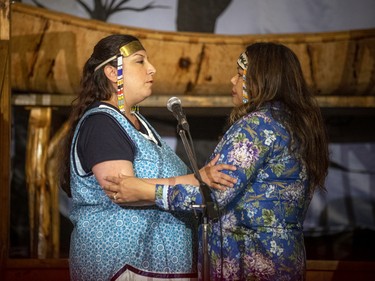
(107, 138)
(277, 141)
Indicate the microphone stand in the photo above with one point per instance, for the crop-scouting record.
(207, 206)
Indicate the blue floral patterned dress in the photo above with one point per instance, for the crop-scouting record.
(259, 234)
(110, 242)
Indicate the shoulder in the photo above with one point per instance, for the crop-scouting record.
(101, 121)
(101, 114)
(97, 122)
(102, 109)
(255, 122)
(258, 128)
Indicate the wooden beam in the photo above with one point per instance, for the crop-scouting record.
(5, 124)
(50, 48)
(33, 99)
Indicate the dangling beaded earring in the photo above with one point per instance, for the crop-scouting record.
(120, 88)
(245, 97)
(242, 62)
(120, 85)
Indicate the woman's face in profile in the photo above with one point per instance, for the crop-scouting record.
(237, 88)
(138, 76)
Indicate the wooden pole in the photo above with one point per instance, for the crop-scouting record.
(5, 124)
(39, 191)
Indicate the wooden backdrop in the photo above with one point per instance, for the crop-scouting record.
(47, 51)
(50, 48)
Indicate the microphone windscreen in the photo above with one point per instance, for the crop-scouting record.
(172, 101)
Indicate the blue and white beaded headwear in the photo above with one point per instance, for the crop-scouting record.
(243, 62)
(125, 51)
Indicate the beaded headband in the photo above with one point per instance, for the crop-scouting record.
(125, 51)
(243, 62)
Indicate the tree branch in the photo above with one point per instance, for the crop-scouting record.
(87, 8)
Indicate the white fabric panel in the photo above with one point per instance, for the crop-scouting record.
(293, 16)
(245, 16)
(349, 202)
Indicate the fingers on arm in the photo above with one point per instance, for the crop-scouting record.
(107, 174)
(226, 180)
(111, 170)
(226, 167)
(214, 160)
(113, 179)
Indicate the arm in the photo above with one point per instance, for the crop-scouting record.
(241, 146)
(247, 145)
(130, 189)
(113, 168)
(115, 155)
(211, 174)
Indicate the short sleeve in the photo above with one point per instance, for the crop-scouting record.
(102, 139)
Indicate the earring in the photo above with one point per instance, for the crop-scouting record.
(245, 98)
(120, 85)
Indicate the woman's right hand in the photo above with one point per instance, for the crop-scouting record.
(129, 189)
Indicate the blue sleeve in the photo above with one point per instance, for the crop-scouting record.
(246, 145)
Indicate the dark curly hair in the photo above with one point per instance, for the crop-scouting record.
(94, 87)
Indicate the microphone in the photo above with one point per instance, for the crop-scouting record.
(174, 106)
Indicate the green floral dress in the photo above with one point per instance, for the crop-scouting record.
(259, 233)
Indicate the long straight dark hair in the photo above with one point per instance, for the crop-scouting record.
(94, 87)
(274, 74)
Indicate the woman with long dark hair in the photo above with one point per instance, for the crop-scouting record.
(108, 137)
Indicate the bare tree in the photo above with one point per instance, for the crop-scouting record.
(199, 15)
(103, 9)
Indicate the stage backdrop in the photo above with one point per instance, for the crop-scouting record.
(241, 16)
(350, 200)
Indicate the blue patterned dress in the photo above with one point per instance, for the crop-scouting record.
(259, 235)
(110, 242)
